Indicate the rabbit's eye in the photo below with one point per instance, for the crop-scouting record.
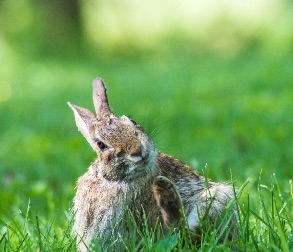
(101, 145)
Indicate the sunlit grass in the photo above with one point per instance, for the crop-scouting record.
(233, 114)
(223, 26)
(263, 228)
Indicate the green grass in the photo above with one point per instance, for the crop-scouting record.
(233, 114)
(268, 228)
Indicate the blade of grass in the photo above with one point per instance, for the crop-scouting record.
(69, 226)
(281, 234)
(21, 243)
(39, 234)
(262, 220)
(26, 216)
(2, 238)
(291, 188)
(247, 230)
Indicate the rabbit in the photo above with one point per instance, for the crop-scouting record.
(130, 173)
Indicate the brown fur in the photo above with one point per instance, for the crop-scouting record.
(130, 174)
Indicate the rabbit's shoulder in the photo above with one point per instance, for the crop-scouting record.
(175, 170)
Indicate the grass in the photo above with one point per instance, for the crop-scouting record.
(268, 228)
(232, 113)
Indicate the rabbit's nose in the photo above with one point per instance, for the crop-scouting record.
(136, 152)
(134, 148)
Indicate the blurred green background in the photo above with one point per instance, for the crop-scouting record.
(210, 81)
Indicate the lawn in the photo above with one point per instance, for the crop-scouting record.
(228, 117)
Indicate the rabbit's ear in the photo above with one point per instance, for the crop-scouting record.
(100, 99)
(84, 120)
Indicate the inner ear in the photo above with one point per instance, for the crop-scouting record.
(127, 120)
(84, 121)
(100, 99)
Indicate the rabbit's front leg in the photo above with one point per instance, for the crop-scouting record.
(168, 199)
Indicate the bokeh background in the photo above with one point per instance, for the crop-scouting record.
(210, 81)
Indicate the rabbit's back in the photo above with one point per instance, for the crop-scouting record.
(199, 196)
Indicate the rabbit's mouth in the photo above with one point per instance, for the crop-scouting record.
(142, 164)
(138, 161)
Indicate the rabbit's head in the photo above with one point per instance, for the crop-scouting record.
(125, 152)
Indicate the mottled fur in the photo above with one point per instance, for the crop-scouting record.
(130, 174)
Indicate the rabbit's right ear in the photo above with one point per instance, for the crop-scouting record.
(84, 120)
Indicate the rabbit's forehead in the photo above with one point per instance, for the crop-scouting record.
(118, 134)
(116, 125)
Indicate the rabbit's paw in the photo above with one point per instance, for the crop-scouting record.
(168, 200)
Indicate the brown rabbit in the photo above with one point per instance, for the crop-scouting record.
(129, 173)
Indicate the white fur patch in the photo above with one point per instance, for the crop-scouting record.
(192, 219)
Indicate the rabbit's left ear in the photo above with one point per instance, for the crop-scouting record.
(100, 99)
(84, 120)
